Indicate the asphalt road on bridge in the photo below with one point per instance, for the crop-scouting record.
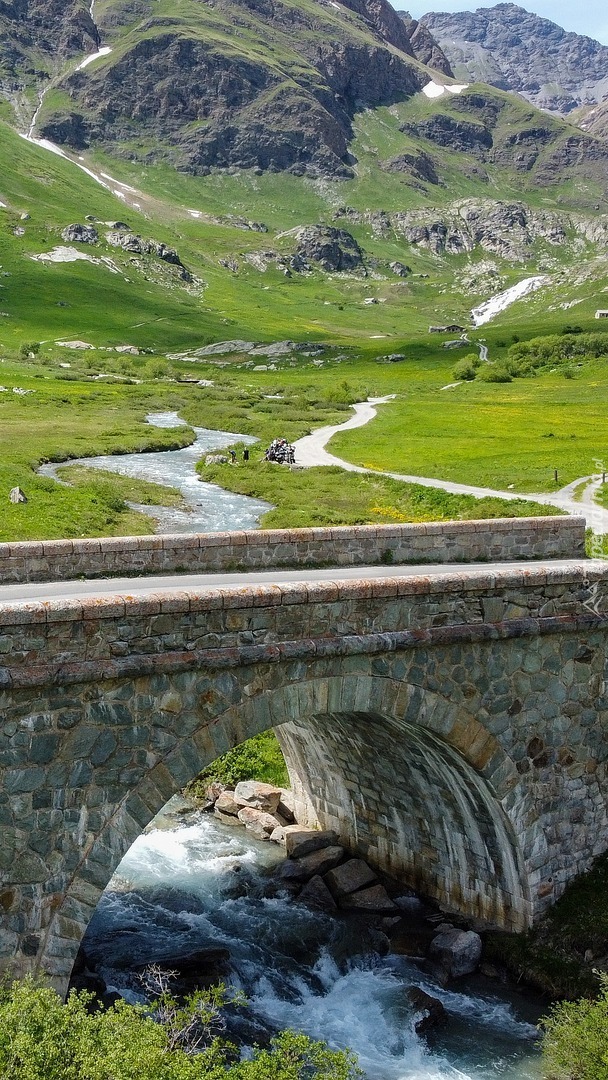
(144, 586)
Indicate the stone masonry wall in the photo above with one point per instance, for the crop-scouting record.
(482, 695)
(497, 540)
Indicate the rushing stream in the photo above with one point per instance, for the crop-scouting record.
(212, 508)
(194, 883)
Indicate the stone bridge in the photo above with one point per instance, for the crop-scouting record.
(448, 722)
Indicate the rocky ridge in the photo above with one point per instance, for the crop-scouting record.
(508, 230)
(515, 50)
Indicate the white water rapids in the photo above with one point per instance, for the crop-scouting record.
(201, 884)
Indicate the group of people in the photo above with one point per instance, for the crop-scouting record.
(280, 451)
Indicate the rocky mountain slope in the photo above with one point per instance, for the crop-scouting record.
(513, 49)
(230, 83)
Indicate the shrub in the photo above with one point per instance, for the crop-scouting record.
(259, 758)
(496, 373)
(43, 1039)
(575, 1044)
(466, 369)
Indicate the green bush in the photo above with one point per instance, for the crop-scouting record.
(466, 369)
(495, 373)
(575, 1044)
(43, 1039)
(259, 758)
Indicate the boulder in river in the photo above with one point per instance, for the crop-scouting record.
(456, 952)
(430, 1010)
(258, 795)
(318, 862)
(352, 875)
(373, 901)
(260, 823)
(300, 841)
(315, 894)
(225, 803)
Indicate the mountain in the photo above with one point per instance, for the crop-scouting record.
(246, 83)
(246, 169)
(516, 50)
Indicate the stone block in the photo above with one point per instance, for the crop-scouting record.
(352, 875)
(318, 862)
(257, 795)
(300, 841)
(258, 822)
(372, 901)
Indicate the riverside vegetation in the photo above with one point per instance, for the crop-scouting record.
(498, 435)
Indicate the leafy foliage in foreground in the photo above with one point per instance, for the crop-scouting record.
(575, 1045)
(43, 1039)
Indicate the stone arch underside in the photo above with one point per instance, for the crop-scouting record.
(379, 760)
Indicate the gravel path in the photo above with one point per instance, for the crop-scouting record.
(310, 451)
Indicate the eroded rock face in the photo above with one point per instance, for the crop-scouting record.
(505, 229)
(202, 106)
(332, 249)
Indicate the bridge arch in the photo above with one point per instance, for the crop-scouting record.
(410, 780)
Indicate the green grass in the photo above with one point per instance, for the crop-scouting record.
(329, 496)
(491, 435)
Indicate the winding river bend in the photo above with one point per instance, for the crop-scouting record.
(192, 883)
(212, 508)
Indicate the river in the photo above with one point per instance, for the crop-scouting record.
(191, 883)
(212, 509)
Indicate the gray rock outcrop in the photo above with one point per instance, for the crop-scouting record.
(80, 234)
(330, 248)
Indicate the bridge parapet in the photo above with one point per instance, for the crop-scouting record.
(497, 540)
(122, 635)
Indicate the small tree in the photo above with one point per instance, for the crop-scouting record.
(575, 1044)
(466, 369)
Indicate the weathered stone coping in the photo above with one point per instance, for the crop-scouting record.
(221, 659)
(61, 642)
(172, 601)
(196, 599)
(495, 540)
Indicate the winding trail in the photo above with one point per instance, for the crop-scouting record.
(310, 451)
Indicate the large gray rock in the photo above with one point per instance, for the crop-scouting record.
(260, 796)
(80, 234)
(287, 805)
(315, 894)
(352, 875)
(456, 952)
(332, 249)
(300, 841)
(318, 862)
(261, 824)
(374, 900)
